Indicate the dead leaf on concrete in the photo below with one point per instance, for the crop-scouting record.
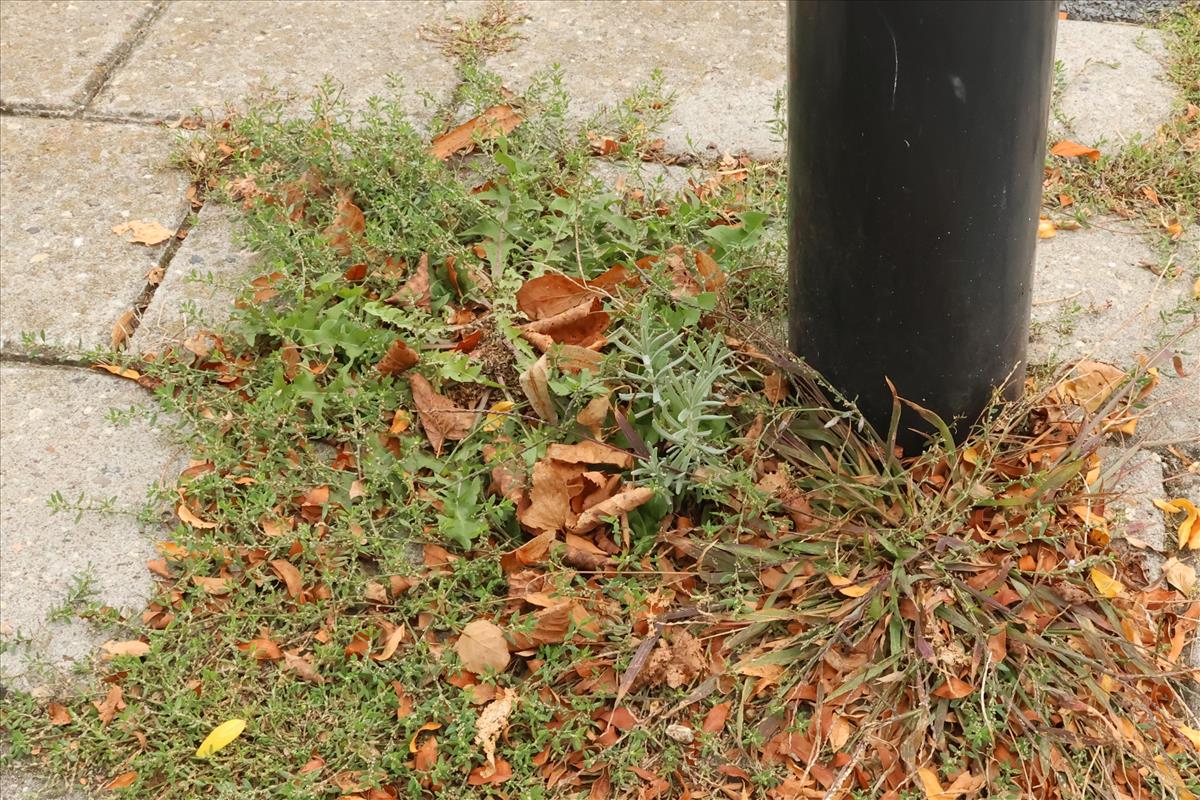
(136, 648)
(143, 231)
(1068, 149)
(122, 329)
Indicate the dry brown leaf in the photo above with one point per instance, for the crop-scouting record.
(552, 294)
(415, 291)
(143, 231)
(1092, 384)
(534, 551)
(136, 648)
(348, 223)
(394, 637)
(550, 496)
(110, 705)
(550, 626)
(312, 765)
(215, 586)
(535, 383)
(775, 386)
(375, 592)
(122, 781)
(59, 715)
(288, 573)
(440, 417)
(594, 415)
(262, 648)
(189, 517)
(714, 720)
(492, 721)
(590, 453)
(294, 662)
(614, 506)
(120, 372)
(398, 358)
(482, 647)
(122, 329)
(492, 123)
(1068, 149)
(1180, 575)
(953, 689)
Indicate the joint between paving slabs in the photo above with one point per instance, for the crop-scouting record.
(38, 111)
(164, 263)
(116, 57)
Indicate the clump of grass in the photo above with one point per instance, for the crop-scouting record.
(792, 609)
(493, 30)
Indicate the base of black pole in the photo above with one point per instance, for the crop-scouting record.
(916, 134)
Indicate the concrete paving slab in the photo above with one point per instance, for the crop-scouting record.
(656, 180)
(207, 55)
(64, 184)
(19, 784)
(58, 438)
(200, 286)
(1095, 296)
(1116, 87)
(51, 50)
(726, 61)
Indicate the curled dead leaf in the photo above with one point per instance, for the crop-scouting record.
(492, 123)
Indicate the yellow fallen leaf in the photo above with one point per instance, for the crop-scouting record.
(496, 415)
(1167, 506)
(931, 785)
(1188, 533)
(221, 735)
(1192, 735)
(1107, 585)
(1046, 229)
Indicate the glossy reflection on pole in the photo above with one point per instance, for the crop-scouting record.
(916, 135)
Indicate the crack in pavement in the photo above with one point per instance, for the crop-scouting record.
(116, 57)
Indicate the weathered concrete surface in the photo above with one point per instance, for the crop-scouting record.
(725, 62)
(1096, 296)
(1115, 84)
(64, 184)
(207, 55)
(57, 438)
(17, 784)
(656, 180)
(51, 50)
(200, 285)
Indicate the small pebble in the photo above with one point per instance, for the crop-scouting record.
(680, 733)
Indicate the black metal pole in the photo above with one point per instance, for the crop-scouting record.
(916, 135)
